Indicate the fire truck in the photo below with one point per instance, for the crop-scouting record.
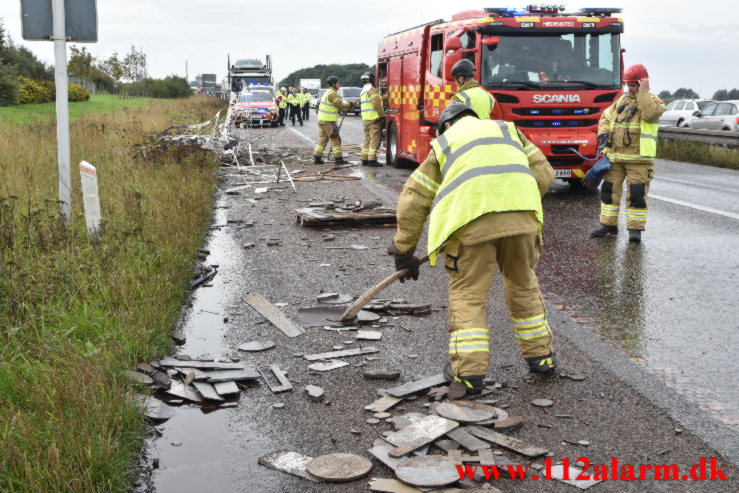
(552, 73)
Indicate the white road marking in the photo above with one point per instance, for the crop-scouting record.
(302, 136)
(694, 206)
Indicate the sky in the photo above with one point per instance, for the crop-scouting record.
(681, 47)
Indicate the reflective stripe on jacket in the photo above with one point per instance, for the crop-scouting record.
(484, 169)
(283, 101)
(627, 124)
(327, 112)
(479, 100)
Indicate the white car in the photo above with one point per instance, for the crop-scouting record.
(721, 115)
(678, 111)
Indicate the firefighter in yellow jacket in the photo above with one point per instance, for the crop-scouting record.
(630, 125)
(470, 92)
(373, 118)
(328, 114)
(481, 186)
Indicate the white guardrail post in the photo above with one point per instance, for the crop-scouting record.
(90, 198)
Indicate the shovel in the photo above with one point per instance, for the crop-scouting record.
(352, 311)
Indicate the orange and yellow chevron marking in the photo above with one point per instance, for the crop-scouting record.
(438, 96)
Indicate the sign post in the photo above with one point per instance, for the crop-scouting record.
(62, 110)
(61, 21)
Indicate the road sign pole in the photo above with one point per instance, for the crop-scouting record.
(62, 110)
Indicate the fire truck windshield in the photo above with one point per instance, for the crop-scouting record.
(536, 61)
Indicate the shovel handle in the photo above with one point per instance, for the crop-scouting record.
(355, 307)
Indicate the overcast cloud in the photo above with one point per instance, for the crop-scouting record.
(681, 47)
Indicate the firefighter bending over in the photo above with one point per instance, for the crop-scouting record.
(328, 114)
(470, 92)
(481, 186)
(373, 118)
(630, 125)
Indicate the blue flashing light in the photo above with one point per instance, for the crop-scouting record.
(556, 124)
(517, 10)
(535, 112)
(557, 112)
(538, 124)
(572, 123)
(578, 112)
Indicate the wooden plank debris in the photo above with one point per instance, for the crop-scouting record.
(418, 386)
(507, 442)
(317, 217)
(342, 353)
(207, 391)
(275, 316)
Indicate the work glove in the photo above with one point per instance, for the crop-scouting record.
(595, 175)
(405, 261)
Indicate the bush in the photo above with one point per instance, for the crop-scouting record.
(35, 91)
(78, 93)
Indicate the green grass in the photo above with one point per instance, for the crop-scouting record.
(73, 313)
(98, 103)
(699, 153)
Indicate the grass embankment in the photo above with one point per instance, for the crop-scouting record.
(45, 112)
(75, 314)
(699, 153)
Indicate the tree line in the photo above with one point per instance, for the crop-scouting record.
(26, 79)
(686, 93)
(348, 74)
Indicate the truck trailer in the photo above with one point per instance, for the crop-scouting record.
(552, 73)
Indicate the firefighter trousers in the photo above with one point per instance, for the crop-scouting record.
(325, 133)
(471, 270)
(372, 134)
(637, 176)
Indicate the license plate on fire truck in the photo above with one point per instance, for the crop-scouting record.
(563, 173)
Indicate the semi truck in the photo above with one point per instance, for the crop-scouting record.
(552, 73)
(245, 72)
(314, 87)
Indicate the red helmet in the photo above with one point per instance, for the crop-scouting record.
(635, 73)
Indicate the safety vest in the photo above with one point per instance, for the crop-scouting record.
(327, 112)
(283, 101)
(368, 108)
(293, 99)
(483, 170)
(647, 136)
(479, 100)
(305, 97)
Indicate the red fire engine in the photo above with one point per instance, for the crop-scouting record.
(551, 73)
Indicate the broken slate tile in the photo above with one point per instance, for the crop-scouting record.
(557, 472)
(328, 365)
(420, 433)
(257, 346)
(226, 389)
(161, 380)
(237, 375)
(383, 404)
(314, 392)
(506, 441)
(417, 386)
(542, 402)
(154, 409)
(207, 391)
(381, 374)
(341, 354)
(339, 467)
(289, 462)
(511, 423)
(369, 335)
(179, 389)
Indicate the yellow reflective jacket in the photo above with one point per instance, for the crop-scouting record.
(371, 104)
(632, 122)
(474, 96)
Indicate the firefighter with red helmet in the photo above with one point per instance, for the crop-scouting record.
(470, 92)
(480, 187)
(630, 127)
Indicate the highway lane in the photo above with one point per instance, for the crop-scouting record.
(669, 303)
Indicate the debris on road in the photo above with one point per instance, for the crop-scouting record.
(289, 462)
(542, 403)
(314, 392)
(341, 354)
(466, 411)
(339, 467)
(420, 433)
(558, 472)
(506, 441)
(430, 471)
(383, 404)
(275, 316)
(418, 386)
(381, 374)
(369, 335)
(235, 375)
(169, 361)
(154, 410)
(203, 275)
(207, 391)
(227, 389)
(328, 365)
(257, 346)
(282, 384)
(324, 217)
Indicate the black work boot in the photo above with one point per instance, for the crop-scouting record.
(364, 162)
(466, 387)
(543, 365)
(317, 160)
(373, 163)
(635, 235)
(604, 231)
(340, 160)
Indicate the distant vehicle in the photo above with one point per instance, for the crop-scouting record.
(678, 111)
(721, 115)
(313, 86)
(321, 92)
(247, 72)
(255, 106)
(350, 95)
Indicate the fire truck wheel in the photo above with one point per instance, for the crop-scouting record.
(392, 158)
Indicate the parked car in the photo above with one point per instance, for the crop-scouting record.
(255, 106)
(350, 95)
(678, 111)
(721, 115)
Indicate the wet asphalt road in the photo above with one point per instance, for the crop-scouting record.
(655, 303)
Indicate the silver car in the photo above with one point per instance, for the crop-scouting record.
(721, 115)
(678, 111)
